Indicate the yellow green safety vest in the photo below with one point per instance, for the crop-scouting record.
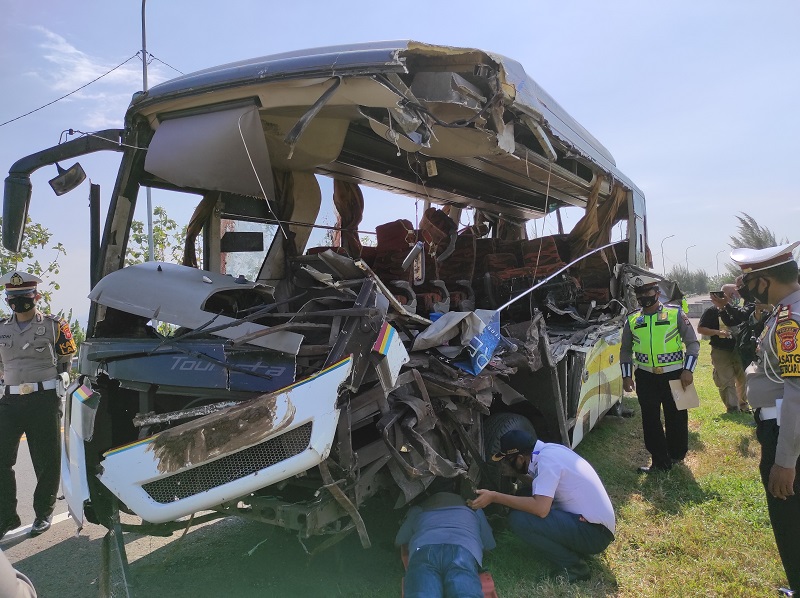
(657, 344)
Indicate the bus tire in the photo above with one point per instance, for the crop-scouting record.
(493, 429)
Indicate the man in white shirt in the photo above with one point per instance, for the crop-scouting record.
(569, 515)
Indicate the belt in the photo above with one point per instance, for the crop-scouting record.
(661, 369)
(27, 388)
(766, 413)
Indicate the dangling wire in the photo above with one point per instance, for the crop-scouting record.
(255, 172)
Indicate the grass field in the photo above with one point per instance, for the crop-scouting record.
(700, 530)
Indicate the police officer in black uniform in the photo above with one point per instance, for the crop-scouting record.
(35, 353)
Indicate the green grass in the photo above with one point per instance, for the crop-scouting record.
(700, 530)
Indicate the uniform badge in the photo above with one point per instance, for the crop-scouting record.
(16, 279)
(40, 330)
(637, 282)
(788, 352)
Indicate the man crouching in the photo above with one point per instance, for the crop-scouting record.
(569, 515)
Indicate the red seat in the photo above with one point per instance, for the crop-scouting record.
(457, 271)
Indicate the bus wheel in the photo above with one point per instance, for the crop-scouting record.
(494, 427)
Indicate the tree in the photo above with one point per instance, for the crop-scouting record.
(715, 282)
(36, 239)
(689, 282)
(753, 235)
(167, 240)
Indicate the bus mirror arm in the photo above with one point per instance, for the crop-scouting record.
(18, 187)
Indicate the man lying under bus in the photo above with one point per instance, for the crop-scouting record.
(568, 516)
(446, 540)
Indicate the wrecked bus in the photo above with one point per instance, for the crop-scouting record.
(288, 380)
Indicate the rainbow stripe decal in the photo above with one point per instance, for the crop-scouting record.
(384, 340)
(83, 393)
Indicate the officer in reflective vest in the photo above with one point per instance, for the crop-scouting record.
(652, 340)
(773, 389)
(35, 354)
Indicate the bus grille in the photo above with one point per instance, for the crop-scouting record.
(233, 467)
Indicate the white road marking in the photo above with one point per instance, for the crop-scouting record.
(26, 529)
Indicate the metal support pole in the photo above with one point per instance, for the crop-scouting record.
(150, 244)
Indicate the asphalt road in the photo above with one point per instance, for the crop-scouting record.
(229, 557)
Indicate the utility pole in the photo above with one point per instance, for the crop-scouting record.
(150, 244)
(720, 251)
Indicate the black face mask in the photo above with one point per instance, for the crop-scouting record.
(21, 304)
(762, 297)
(647, 300)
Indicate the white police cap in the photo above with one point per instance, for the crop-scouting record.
(755, 260)
(19, 281)
(642, 282)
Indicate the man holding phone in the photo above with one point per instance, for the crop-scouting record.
(728, 372)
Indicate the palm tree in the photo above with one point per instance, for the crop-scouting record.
(753, 235)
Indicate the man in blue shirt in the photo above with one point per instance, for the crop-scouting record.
(446, 540)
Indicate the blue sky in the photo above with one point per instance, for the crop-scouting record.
(697, 101)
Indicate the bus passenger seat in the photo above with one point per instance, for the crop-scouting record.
(394, 241)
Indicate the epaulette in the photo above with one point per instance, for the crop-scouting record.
(53, 317)
(784, 313)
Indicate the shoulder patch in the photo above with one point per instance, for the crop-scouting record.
(786, 342)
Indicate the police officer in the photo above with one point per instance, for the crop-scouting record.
(652, 340)
(34, 349)
(773, 388)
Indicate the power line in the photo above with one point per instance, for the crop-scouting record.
(72, 92)
(165, 64)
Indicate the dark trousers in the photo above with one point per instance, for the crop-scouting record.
(654, 394)
(784, 515)
(560, 537)
(442, 570)
(38, 416)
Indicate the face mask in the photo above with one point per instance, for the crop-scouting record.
(20, 304)
(762, 297)
(519, 467)
(647, 300)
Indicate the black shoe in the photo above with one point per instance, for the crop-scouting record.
(652, 469)
(40, 525)
(6, 525)
(579, 572)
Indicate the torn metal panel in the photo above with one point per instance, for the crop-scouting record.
(223, 432)
(207, 463)
(198, 364)
(178, 294)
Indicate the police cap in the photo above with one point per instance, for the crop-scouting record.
(19, 282)
(643, 283)
(755, 260)
(514, 442)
